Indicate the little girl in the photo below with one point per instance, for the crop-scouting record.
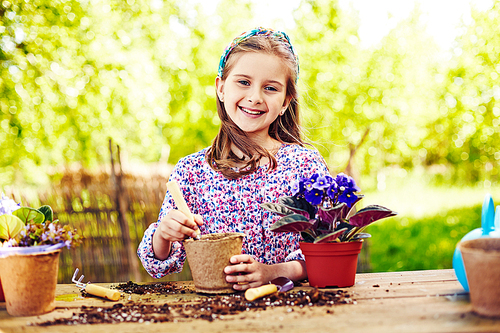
(256, 157)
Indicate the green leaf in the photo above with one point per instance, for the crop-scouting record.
(361, 235)
(330, 237)
(47, 212)
(291, 223)
(348, 235)
(299, 206)
(27, 215)
(333, 214)
(307, 236)
(277, 208)
(369, 215)
(10, 226)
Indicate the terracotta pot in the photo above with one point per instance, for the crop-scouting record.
(331, 264)
(482, 266)
(29, 282)
(207, 258)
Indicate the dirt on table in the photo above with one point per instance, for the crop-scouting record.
(207, 308)
(159, 288)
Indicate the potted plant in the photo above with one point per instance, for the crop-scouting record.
(322, 210)
(30, 243)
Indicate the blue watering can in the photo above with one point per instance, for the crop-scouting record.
(490, 227)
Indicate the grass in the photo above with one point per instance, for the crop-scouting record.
(431, 221)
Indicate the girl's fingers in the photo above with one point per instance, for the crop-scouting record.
(168, 233)
(175, 226)
(239, 268)
(198, 219)
(243, 282)
(239, 278)
(241, 258)
(245, 272)
(183, 219)
(245, 286)
(179, 234)
(246, 278)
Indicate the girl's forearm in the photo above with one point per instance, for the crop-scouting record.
(161, 247)
(295, 270)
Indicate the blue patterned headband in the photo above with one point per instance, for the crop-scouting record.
(278, 35)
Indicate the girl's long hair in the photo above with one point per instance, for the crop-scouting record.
(285, 129)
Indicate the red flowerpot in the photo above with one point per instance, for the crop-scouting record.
(331, 264)
(2, 297)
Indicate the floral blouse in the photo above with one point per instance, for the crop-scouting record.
(234, 206)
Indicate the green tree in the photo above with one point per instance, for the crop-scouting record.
(36, 45)
(465, 138)
(75, 73)
(397, 97)
(365, 108)
(327, 45)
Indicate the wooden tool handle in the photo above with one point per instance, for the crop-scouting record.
(112, 295)
(254, 293)
(175, 192)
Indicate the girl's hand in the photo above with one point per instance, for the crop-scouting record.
(248, 271)
(174, 226)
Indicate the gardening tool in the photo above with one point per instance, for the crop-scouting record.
(112, 295)
(487, 230)
(175, 191)
(280, 284)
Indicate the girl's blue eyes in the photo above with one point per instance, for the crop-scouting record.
(246, 83)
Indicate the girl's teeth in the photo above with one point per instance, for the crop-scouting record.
(251, 112)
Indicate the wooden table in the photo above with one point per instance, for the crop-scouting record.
(417, 301)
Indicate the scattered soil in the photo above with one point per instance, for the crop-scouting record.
(210, 308)
(160, 288)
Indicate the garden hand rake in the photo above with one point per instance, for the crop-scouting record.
(112, 295)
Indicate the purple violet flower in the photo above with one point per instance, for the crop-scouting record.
(348, 197)
(298, 187)
(314, 197)
(320, 208)
(347, 183)
(308, 185)
(332, 190)
(313, 178)
(321, 183)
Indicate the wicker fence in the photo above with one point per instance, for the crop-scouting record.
(111, 222)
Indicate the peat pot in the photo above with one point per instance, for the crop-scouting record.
(481, 258)
(331, 264)
(207, 258)
(29, 282)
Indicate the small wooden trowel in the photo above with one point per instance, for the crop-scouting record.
(280, 284)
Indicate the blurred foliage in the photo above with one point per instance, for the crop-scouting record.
(74, 73)
(400, 243)
(353, 93)
(466, 132)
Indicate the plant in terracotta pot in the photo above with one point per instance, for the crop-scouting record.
(322, 210)
(30, 243)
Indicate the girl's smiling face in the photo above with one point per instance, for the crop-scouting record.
(254, 92)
